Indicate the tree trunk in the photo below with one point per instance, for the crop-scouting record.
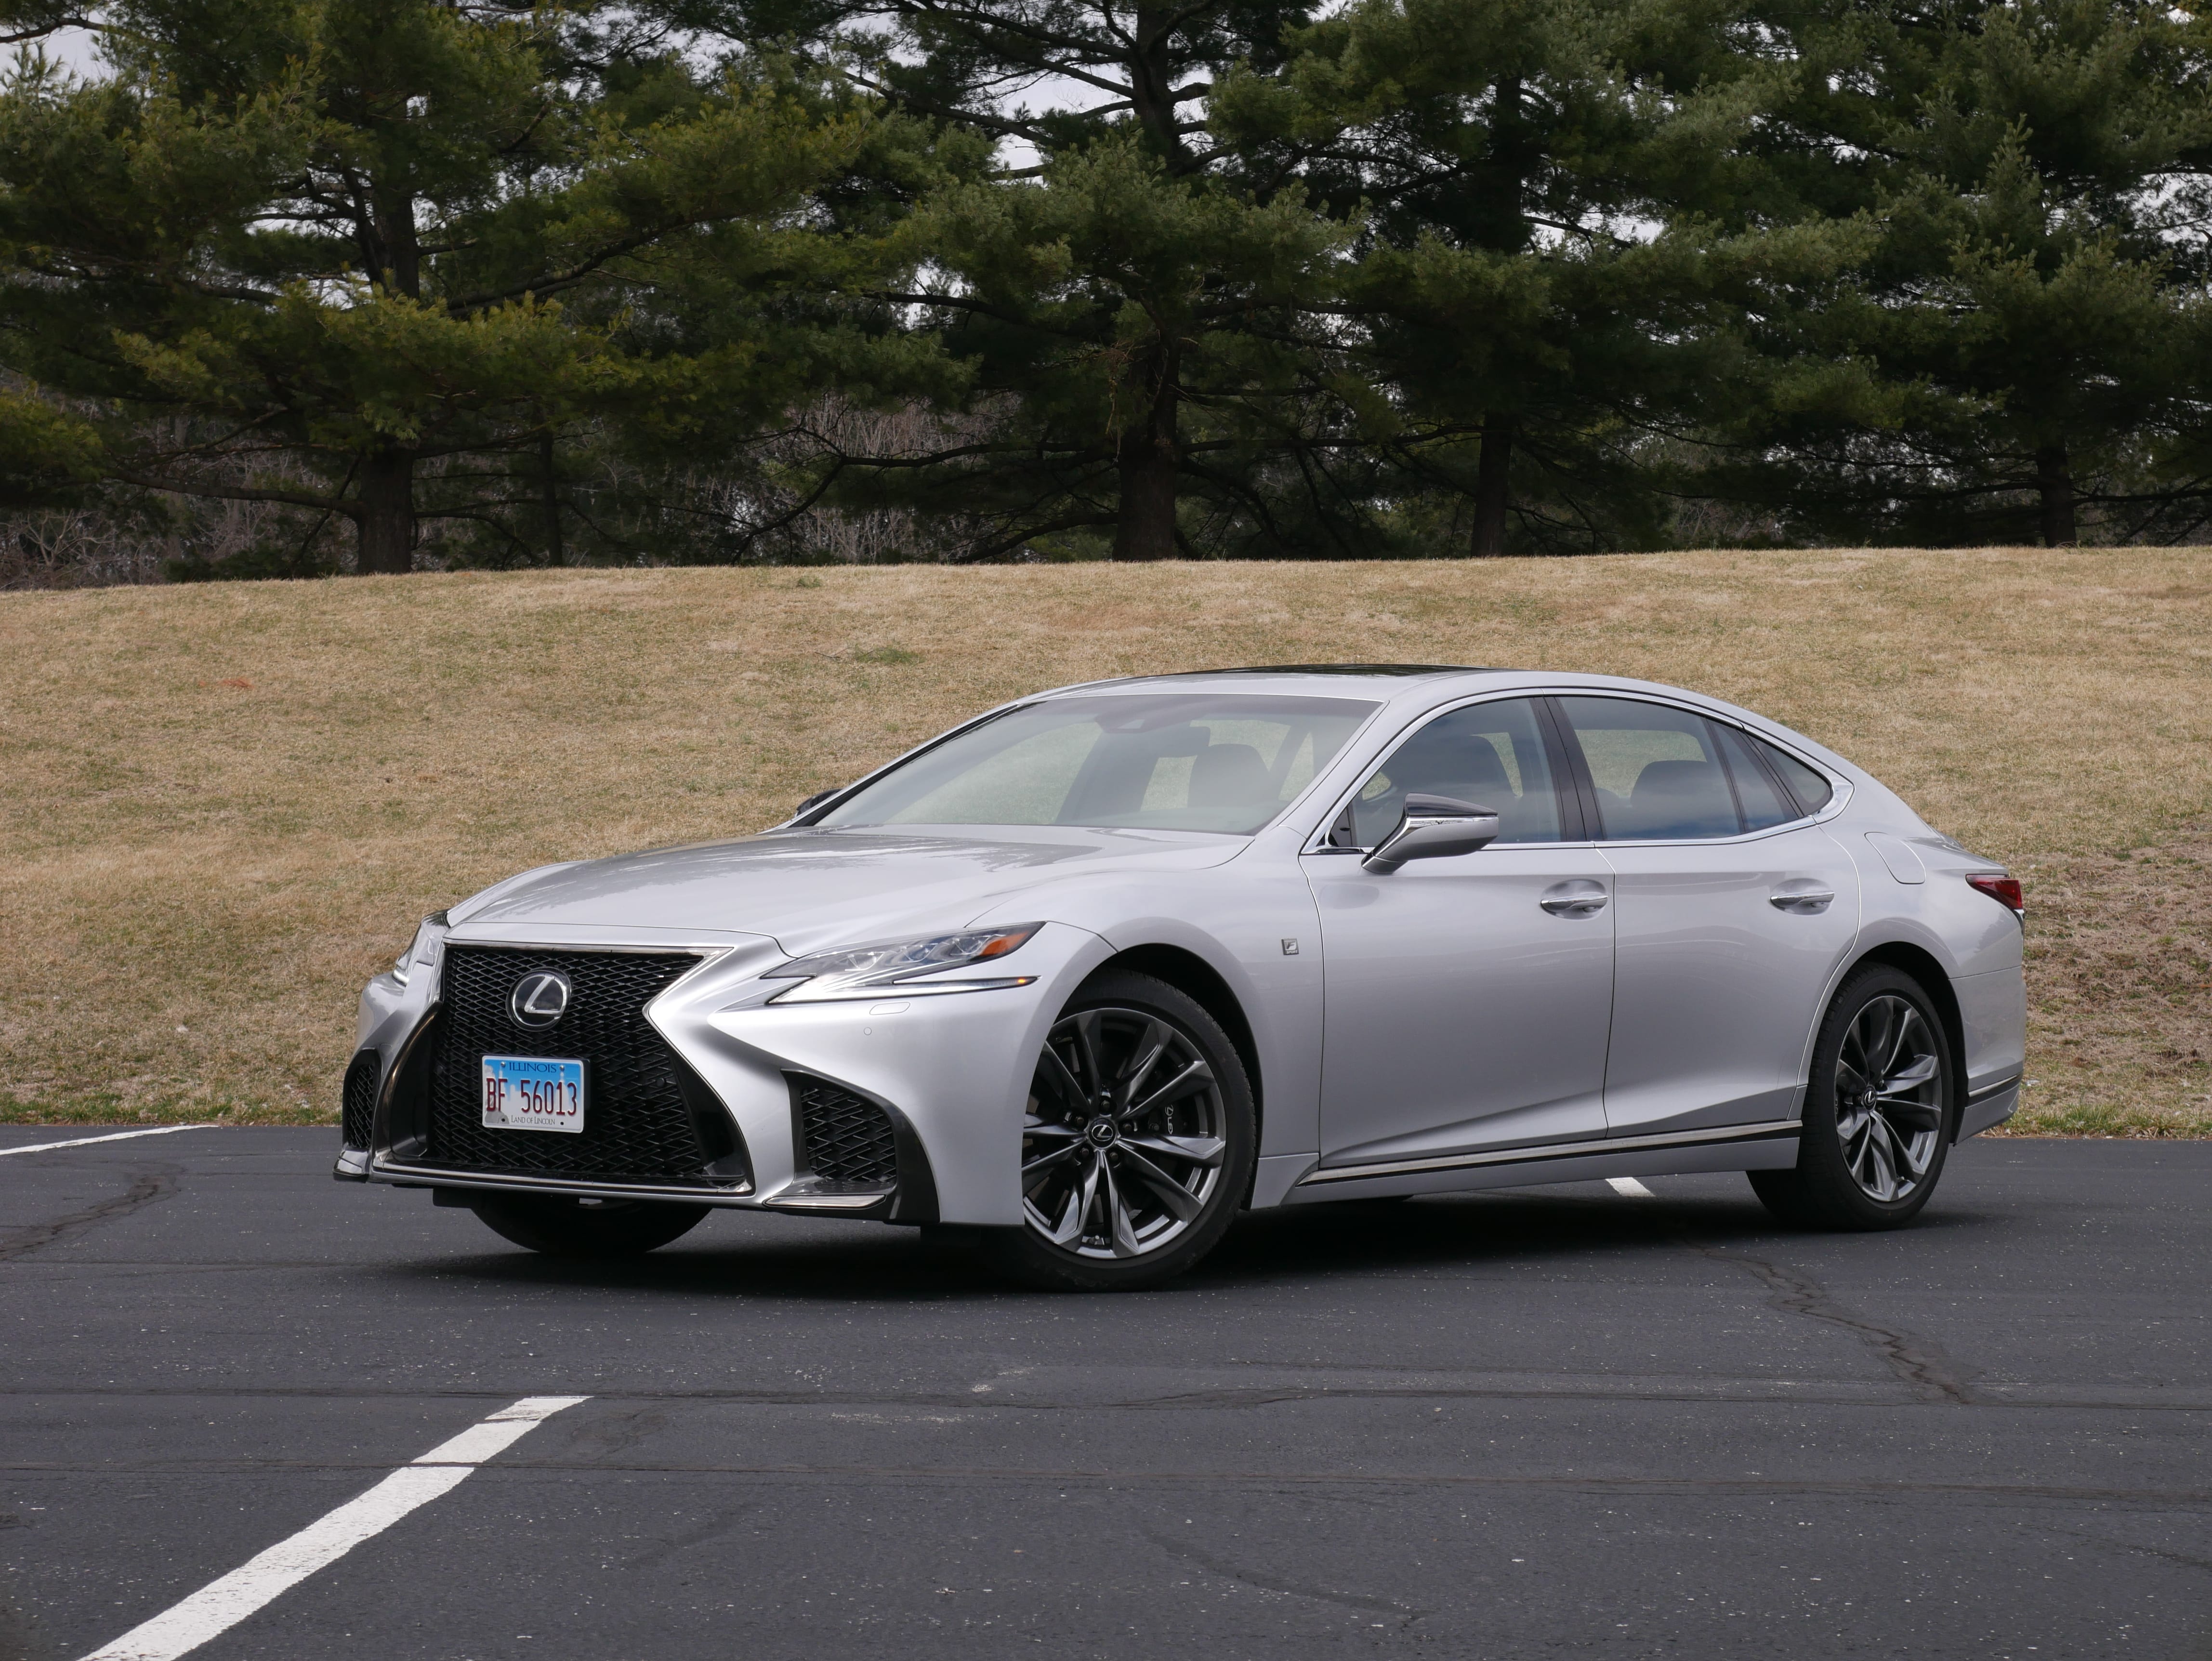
(386, 517)
(550, 482)
(2054, 480)
(1147, 457)
(1491, 496)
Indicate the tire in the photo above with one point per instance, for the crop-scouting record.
(563, 1226)
(1882, 1105)
(1128, 1181)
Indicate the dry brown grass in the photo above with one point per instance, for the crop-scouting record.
(225, 805)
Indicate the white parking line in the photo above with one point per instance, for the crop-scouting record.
(1631, 1187)
(222, 1605)
(115, 1136)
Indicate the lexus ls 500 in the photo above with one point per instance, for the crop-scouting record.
(1092, 972)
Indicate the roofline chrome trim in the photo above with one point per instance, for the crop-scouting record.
(1840, 789)
(1765, 1131)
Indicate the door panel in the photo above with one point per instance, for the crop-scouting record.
(1723, 943)
(1462, 1014)
(1716, 988)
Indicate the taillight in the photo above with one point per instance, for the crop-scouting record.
(2005, 890)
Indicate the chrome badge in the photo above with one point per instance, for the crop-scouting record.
(539, 999)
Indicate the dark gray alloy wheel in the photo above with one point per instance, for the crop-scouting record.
(1878, 1111)
(1138, 1144)
(564, 1226)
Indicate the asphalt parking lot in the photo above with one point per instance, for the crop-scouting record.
(1557, 1422)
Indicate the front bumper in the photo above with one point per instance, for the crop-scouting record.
(950, 1073)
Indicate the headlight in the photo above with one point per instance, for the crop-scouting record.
(424, 949)
(869, 971)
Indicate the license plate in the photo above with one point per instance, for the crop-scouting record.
(528, 1092)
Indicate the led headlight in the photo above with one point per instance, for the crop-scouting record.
(422, 951)
(907, 966)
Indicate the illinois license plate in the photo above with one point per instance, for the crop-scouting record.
(528, 1092)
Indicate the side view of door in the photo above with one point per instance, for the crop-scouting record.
(1468, 997)
(1734, 912)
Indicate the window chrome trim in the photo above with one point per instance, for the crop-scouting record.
(1840, 790)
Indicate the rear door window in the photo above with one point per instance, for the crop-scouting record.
(1656, 771)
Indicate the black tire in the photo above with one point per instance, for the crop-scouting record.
(1110, 1227)
(564, 1226)
(1862, 1135)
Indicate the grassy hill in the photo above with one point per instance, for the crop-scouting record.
(225, 805)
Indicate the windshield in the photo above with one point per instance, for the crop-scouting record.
(1201, 760)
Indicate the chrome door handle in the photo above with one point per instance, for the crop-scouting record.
(1574, 905)
(1807, 902)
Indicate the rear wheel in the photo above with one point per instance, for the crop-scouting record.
(1879, 1111)
(564, 1226)
(1138, 1144)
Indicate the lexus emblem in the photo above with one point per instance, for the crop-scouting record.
(539, 999)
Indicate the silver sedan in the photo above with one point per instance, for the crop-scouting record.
(1090, 973)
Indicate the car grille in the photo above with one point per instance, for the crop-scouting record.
(637, 1125)
(844, 1138)
(358, 1099)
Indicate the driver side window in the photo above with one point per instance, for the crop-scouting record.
(1488, 755)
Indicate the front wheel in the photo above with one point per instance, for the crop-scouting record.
(1879, 1109)
(563, 1226)
(1138, 1144)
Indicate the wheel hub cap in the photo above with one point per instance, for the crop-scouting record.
(1102, 1132)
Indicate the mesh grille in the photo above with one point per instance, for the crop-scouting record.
(636, 1124)
(847, 1138)
(358, 1118)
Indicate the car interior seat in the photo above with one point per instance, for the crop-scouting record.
(1230, 775)
(1676, 799)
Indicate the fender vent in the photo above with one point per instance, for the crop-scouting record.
(358, 1099)
(842, 1137)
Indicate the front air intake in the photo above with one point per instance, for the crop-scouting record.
(843, 1137)
(357, 1117)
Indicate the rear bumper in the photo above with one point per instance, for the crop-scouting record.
(1989, 1107)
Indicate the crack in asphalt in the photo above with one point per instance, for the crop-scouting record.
(1920, 1362)
(1847, 1487)
(148, 1186)
(2182, 1558)
(1195, 1400)
(1227, 1570)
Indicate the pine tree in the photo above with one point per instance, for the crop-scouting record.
(1133, 306)
(1534, 285)
(2026, 330)
(375, 259)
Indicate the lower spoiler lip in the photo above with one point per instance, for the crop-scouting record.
(417, 1175)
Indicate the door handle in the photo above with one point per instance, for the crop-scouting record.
(1807, 902)
(1567, 901)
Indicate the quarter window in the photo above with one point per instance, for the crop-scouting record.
(1489, 755)
(1810, 788)
(1756, 792)
(1657, 771)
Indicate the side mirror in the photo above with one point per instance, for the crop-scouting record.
(1433, 828)
(815, 802)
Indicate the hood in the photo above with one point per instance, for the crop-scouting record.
(810, 889)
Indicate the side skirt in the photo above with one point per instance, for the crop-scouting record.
(1771, 1147)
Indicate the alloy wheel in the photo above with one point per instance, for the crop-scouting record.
(1889, 1098)
(1124, 1139)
